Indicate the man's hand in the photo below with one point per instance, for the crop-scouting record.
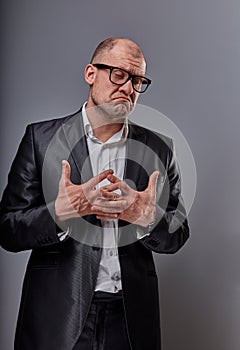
(132, 206)
(77, 200)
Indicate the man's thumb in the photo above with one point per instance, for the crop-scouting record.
(66, 172)
(153, 180)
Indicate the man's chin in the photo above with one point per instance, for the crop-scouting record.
(120, 109)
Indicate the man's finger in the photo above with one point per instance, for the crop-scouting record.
(117, 184)
(109, 195)
(107, 216)
(152, 183)
(98, 178)
(111, 187)
(104, 215)
(66, 172)
(113, 179)
(109, 206)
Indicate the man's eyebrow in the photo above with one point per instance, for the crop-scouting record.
(131, 71)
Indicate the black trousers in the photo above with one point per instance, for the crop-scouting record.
(105, 327)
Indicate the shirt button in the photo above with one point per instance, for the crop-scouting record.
(115, 277)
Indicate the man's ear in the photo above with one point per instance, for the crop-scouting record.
(89, 74)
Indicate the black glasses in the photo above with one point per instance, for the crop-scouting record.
(120, 76)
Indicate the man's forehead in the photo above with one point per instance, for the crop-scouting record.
(125, 55)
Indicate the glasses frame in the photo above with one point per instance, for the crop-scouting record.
(130, 76)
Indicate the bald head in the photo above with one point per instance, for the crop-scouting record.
(115, 77)
(106, 46)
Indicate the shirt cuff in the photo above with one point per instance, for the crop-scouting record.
(63, 235)
(145, 231)
(141, 233)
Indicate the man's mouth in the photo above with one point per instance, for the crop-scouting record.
(122, 98)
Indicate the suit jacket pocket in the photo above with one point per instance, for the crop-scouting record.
(44, 260)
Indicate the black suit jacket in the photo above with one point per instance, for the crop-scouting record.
(61, 276)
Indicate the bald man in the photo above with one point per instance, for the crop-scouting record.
(93, 195)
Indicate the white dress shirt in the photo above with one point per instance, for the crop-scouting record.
(107, 155)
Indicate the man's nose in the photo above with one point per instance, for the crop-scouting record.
(127, 87)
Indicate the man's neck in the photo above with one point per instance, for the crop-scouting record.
(103, 128)
(105, 132)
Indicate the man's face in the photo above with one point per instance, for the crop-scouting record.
(114, 101)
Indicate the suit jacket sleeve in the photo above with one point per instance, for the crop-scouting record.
(25, 220)
(171, 230)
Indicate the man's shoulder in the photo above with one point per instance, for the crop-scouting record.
(46, 129)
(54, 122)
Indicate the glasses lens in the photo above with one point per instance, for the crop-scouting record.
(140, 84)
(118, 76)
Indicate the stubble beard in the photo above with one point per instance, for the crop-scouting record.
(113, 111)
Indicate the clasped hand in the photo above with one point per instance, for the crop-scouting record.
(80, 200)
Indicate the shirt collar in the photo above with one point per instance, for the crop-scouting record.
(119, 136)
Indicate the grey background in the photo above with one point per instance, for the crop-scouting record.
(193, 53)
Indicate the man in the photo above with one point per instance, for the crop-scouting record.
(93, 195)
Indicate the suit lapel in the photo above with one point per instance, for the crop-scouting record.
(135, 152)
(135, 175)
(81, 168)
(77, 143)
